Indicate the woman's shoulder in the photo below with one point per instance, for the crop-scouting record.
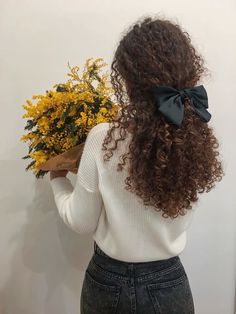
(99, 128)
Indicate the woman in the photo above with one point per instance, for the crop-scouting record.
(139, 204)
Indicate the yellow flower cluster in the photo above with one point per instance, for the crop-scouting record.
(62, 118)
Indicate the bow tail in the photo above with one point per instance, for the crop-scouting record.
(173, 111)
(201, 111)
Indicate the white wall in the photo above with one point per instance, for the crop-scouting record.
(43, 262)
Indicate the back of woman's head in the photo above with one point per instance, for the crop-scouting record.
(169, 164)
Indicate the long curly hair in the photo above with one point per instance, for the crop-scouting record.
(169, 164)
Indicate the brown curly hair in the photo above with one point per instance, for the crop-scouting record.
(169, 164)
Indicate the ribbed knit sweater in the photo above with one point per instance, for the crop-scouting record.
(122, 226)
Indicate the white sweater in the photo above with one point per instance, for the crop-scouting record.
(121, 225)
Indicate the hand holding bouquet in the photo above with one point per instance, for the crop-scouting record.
(60, 120)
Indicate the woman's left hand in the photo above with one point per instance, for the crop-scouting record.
(58, 173)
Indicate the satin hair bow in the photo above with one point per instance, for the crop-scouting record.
(169, 102)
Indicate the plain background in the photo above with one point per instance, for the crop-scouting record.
(42, 262)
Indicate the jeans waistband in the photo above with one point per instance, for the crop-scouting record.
(170, 261)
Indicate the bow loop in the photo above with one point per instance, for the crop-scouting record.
(169, 101)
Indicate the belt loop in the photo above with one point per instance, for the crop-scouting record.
(131, 273)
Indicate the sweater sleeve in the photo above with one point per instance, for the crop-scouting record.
(80, 207)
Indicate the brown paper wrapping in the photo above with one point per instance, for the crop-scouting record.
(68, 160)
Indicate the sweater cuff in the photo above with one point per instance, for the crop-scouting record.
(61, 184)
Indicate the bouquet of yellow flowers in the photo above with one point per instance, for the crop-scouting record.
(58, 123)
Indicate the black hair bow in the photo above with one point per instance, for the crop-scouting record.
(169, 102)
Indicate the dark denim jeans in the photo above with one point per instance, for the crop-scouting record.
(111, 286)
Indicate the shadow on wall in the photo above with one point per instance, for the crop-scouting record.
(44, 261)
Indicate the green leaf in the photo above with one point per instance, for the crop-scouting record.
(65, 114)
(30, 124)
(31, 164)
(39, 146)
